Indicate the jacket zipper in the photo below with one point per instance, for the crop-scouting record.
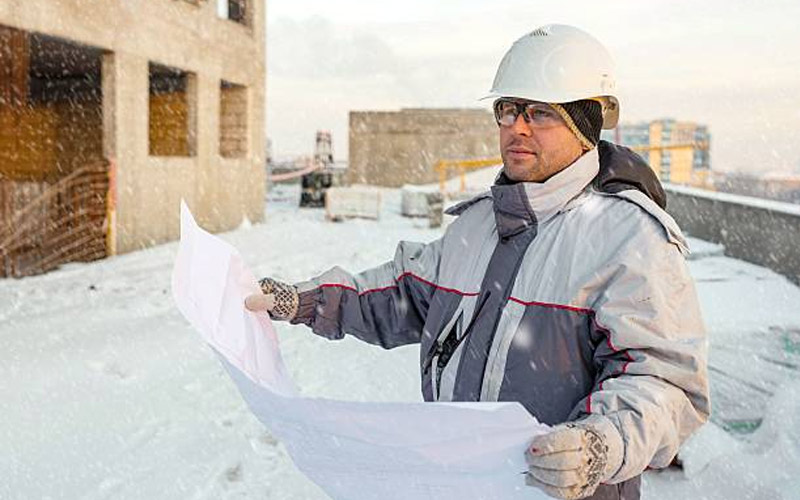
(446, 347)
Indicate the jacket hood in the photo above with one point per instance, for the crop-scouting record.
(621, 169)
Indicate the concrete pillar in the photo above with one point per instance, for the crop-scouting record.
(208, 183)
(256, 144)
(192, 110)
(109, 85)
(128, 133)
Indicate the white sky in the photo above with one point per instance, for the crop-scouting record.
(734, 65)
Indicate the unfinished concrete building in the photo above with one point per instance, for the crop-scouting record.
(111, 112)
(392, 148)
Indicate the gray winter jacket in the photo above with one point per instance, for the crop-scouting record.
(567, 299)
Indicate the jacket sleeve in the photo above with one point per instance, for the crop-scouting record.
(651, 391)
(386, 305)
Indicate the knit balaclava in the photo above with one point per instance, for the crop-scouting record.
(584, 118)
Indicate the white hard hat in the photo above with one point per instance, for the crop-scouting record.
(559, 63)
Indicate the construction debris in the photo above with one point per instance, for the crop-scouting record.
(350, 202)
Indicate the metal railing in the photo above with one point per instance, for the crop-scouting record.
(442, 167)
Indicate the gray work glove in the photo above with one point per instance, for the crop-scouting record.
(573, 459)
(278, 299)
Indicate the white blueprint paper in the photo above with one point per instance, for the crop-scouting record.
(352, 450)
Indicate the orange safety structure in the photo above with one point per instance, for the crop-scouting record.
(701, 146)
(443, 166)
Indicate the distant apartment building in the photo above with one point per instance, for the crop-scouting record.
(678, 151)
(148, 102)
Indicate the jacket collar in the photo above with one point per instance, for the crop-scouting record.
(522, 205)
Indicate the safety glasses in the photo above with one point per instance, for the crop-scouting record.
(535, 114)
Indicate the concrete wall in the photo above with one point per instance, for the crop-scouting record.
(778, 187)
(184, 35)
(760, 231)
(392, 148)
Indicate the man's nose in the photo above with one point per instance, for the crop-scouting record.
(521, 127)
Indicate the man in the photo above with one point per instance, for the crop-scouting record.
(564, 287)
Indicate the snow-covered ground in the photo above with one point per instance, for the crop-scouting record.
(106, 392)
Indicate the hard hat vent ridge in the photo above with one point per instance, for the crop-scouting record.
(540, 32)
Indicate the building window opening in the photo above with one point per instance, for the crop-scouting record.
(235, 10)
(53, 175)
(51, 114)
(171, 112)
(666, 166)
(232, 120)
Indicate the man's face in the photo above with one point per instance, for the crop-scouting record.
(536, 150)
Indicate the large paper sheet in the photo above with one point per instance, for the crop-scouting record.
(352, 450)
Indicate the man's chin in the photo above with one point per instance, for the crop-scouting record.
(519, 172)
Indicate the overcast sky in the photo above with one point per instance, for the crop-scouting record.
(734, 65)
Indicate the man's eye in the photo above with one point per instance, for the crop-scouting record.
(508, 109)
(541, 114)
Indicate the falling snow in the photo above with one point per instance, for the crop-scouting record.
(108, 393)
